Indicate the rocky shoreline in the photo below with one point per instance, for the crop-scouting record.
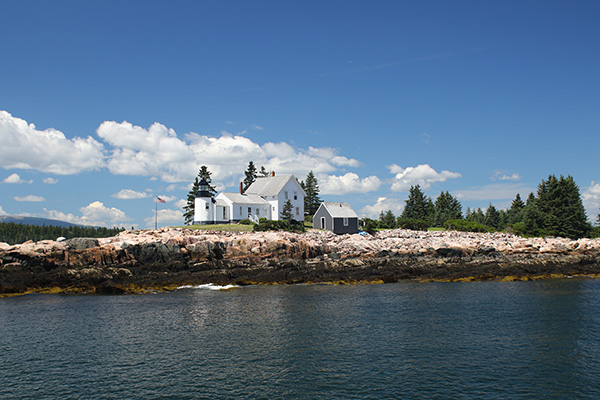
(142, 260)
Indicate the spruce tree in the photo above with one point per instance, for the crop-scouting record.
(446, 207)
(250, 175)
(286, 213)
(515, 212)
(311, 189)
(492, 217)
(263, 173)
(418, 206)
(387, 219)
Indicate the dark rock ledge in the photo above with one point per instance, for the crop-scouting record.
(164, 259)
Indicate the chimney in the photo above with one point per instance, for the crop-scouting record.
(272, 173)
(241, 187)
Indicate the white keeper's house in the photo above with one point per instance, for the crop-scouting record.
(263, 199)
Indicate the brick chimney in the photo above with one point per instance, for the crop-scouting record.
(272, 173)
(241, 187)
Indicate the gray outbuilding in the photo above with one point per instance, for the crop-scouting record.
(336, 217)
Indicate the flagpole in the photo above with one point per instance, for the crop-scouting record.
(156, 215)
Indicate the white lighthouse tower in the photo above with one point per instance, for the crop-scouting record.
(204, 205)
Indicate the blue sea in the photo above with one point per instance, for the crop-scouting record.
(476, 340)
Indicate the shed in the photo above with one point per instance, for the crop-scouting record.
(336, 217)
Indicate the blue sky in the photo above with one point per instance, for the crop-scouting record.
(105, 105)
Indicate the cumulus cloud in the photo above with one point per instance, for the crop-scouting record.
(383, 204)
(129, 194)
(15, 178)
(591, 200)
(25, 147)
(50, 181)
(165, 217)
(2, 212)
(348, 183)
(94, 214)
(30, 197)
(497, 191)
(423, 175)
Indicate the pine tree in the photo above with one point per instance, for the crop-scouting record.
(515, 212)
(492, 217)
(446, 207)
(387, 219)
(263, 173)
(203, 175)
(286, 213)
(188, 213)
(311, 189)
(418, 206)
(560, 203)
(250, 175)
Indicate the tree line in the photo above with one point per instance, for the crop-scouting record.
(556, 209)
(15, 233)
(312, 201)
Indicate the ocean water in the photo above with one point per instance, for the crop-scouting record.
(477, 340)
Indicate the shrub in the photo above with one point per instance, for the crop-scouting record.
(282, 225)
(412, 224)
(466, 226)
(245, 222)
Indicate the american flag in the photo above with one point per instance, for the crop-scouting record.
(159, 200)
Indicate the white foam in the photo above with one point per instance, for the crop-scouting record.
(209, 286)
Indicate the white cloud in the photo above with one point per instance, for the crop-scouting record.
(94, 214)
(180, 203)
(15, 178)
(30, 197)
(2, 212)
(129, 194)
(167, 198)
(591, 200)
(165, 217)
(502, 176)
(257, 127)
(496, 191)
(348, 183)
(422, 175)
(383, 204)
(25, 147)
(50, 181)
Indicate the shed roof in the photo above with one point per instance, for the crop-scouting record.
(245, 198)
(339, 210)
(270, 185)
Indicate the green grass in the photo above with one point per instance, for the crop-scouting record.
(436, 229)
(222, 227)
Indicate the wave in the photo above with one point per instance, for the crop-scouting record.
(209, 286)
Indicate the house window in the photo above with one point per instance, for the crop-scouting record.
(207, 206)
(286, 195)
(273, 208)
(295, 195)
(249, 211)
(240, 211)
(257, 212)
(322, 222)
(297, 210)
(345, 221)
(224, 213)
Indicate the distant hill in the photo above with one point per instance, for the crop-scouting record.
(35, 221)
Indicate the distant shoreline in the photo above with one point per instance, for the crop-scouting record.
(162, 260)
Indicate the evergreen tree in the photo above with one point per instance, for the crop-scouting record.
(250, 175)
(516, 210)
(446, 207)
(418, 206)
(311, 200)
(387, 219)
(286, 213)
(203, 175)
(492, 217)
(560, 203)
(263, 173)
(476, 216)
(533, 219)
